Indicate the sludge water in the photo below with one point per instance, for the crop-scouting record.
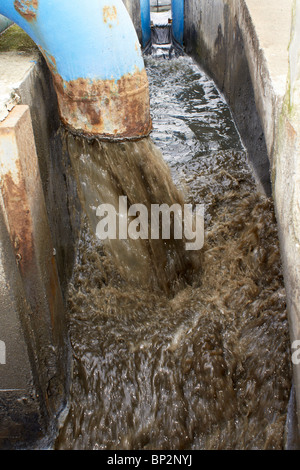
(207, 367)
(137, 171)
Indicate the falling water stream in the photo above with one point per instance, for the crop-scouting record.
(197, 361)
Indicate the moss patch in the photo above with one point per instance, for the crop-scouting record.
(15, 39)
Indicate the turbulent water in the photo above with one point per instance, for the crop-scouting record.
(209, 366)
(108, 171)
(161, 35)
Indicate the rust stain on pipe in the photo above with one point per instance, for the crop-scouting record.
(110, 14)
(116, 109)
(50, 59)
(27, 8)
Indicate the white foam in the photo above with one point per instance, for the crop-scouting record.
(161, 19)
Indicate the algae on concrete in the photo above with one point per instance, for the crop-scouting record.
(15, 39)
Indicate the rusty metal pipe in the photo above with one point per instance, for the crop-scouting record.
(96, 62)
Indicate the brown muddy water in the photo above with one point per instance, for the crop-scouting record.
(204, 364)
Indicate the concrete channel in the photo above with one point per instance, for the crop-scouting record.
(251, 50)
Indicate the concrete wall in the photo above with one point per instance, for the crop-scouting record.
(4, 23)
(60, 190)
(39, 222)
(133, 7)
(251, 50)
(214, 37)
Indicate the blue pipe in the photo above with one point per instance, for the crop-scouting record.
(178, 20)
(96, 62)
(145, 20)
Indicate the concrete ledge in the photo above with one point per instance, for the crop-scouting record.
(25, 79)
(12, 74)
(21, 410)
(44, 333)
(39, 212)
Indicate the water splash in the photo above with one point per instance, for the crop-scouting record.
(105, 171)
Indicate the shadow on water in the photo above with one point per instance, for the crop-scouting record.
(207, 367)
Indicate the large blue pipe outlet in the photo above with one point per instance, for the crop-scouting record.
(178, 20)
(145, 20)
(95, 58)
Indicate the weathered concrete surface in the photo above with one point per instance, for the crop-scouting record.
(32, 322)
(12, 74)
(251, 49)
(43, 319)
(36, 90)
(133, 7)
(19, 398)
(286, 186)
(25, 79)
